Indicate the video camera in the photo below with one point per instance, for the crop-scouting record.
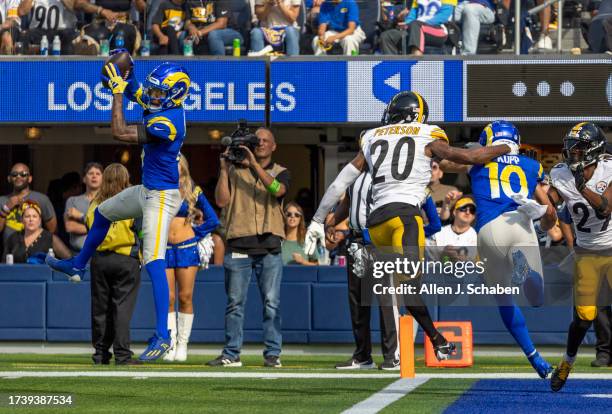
(242, 136)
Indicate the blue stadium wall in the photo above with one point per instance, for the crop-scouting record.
(333, 90)
(40, 305)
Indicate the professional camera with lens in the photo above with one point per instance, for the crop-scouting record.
(242, 136)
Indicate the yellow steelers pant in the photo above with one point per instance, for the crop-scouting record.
(593, 273)
(403, 234)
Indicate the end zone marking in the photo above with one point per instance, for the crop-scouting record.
(386, 396)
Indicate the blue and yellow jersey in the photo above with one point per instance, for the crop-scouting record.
(494, 184)
(160, 155)
(211, 221)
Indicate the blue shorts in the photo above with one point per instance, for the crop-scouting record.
(184, 254)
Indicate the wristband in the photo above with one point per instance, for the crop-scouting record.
(274, 187)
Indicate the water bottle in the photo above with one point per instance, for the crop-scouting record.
(236, 45)
(104, 47)
(9, 259)
(51, 253)
(44, 46)
(56, 49)
(119, 40)
(145, 49)
(188, 47)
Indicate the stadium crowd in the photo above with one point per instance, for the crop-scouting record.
(291, 27)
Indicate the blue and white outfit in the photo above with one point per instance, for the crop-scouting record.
(187, 253)
(158, 199)
(506, 237)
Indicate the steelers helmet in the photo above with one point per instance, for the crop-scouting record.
(583, 145)
(168, 85)
(405, 107)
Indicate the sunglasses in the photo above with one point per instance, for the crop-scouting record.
(468, 209)
(23, 174)
(293, 215)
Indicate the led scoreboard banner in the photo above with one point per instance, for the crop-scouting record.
(308, 90)
(538, 90)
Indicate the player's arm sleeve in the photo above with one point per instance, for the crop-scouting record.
(134, 92)
(211, 221)
(431, 212)
(331, 197)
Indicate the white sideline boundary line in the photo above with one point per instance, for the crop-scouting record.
(276, 375)
(386, 396)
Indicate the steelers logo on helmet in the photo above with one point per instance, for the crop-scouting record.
(498, 133)
(406, 107)
(583, 145)
(167, 86)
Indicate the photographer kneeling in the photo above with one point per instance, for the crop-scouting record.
(251, 190)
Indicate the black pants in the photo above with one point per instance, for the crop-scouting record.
(417, 35)
(115, 280)
(173, 47)
(603, 332)
(34, 36)
(360, 297)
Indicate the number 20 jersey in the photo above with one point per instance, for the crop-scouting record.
(396, 157)
(494, 184)
(593, 231)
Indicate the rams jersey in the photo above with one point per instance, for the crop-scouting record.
(494, 183)
(396, 157)
(160, 155)
(51, 15)
(593, 231)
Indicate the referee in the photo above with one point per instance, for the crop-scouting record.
(115, 277)
(356, 205)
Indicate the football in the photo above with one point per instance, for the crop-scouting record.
(124, 62)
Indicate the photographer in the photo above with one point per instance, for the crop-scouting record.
(251, 190)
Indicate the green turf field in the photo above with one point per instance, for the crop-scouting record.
(152, 394)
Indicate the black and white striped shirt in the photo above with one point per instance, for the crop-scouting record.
(360, 197)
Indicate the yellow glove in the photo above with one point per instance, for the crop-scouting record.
(115, 82)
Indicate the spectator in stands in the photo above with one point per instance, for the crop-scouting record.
(458, 239)
(11, 205)
(338, 23)
(9, 25)
(76, 207)
(49, 18)
(251, 194)
(168, 27)
(112, 22)
(277, 26)
(115, 277)
(295, 230)
(470, 14)
(211, 26)
(32, 243)
(599, 35)
(447, 204)
(439, 191)
(59, 191)
(544, 42)
(422, 26)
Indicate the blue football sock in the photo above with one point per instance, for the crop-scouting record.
(534, 288)
(95, 237)
(515, 324)
(161, 295)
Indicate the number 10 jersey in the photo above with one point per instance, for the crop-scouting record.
(396, 157)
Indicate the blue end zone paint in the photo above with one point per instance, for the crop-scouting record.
(518, 396)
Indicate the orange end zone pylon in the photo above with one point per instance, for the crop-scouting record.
(406, 344)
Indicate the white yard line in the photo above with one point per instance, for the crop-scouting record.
(305, 375)
(386, 396)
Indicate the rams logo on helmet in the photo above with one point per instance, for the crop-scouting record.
(167, 86)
